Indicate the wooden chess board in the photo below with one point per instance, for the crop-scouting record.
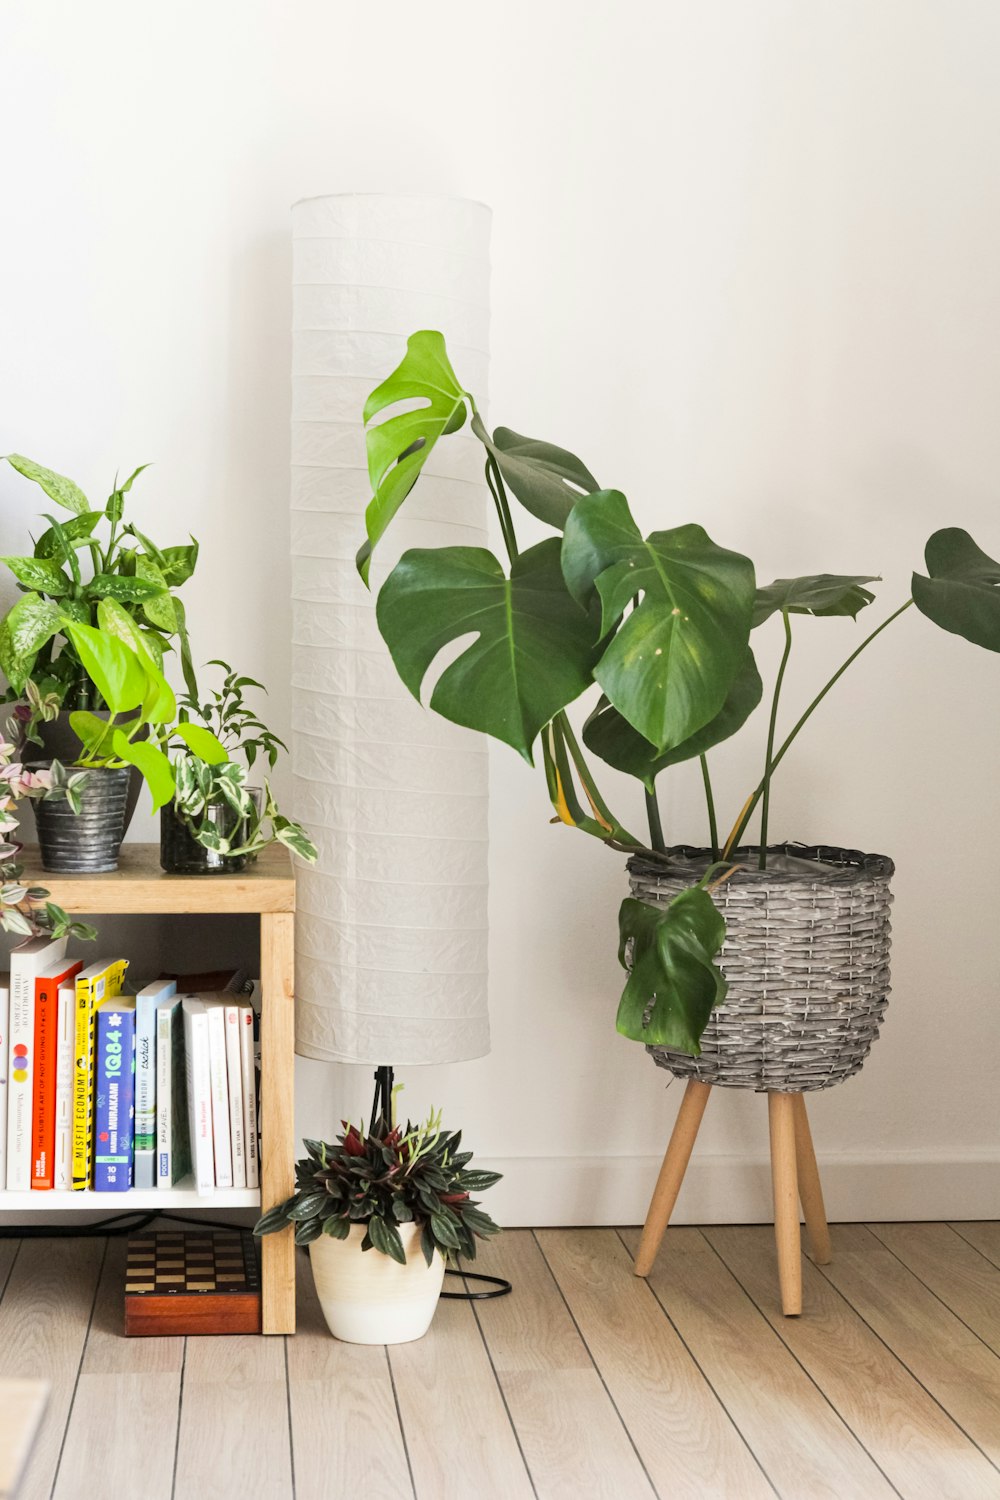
(197, 1281)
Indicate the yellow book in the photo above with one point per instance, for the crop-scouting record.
(100, 982)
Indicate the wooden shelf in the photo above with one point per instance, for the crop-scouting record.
(139, 886)
(184, 1195)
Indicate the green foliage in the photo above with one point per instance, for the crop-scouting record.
(535, 646)
(234, 723)
(962, 592)
(822, 594)
(673, 981)
(547, 480)
(387, 1178)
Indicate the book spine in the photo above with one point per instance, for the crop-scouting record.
(19, 1080)
(221, 1139)
(164, 1096)
(234, 1076)
(62, 1156)
(199, 1092)
(114, 1107)
(249, 1080)
(145, 1091)
(88, 994)
(4, 1062)
(43, 1139)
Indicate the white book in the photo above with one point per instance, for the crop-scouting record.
(221, 1133)
(26, 962)
(4, 1051)
(234, 1076)
(248, 1072)
(199, 1092)
(62, 1173)
(146, 1078)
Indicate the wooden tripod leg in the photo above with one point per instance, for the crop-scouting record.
(787, 1234)
(810, 1189)
(668, 1184)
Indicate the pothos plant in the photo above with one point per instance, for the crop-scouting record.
(88, 556)
(387, 1178)
(661, 625)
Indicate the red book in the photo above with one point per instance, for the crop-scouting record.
(43, 1112)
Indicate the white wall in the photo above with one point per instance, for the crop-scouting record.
(746, 263)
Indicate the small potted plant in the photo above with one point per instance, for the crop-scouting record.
(216, 822)
(78, 562)
(404, 1194)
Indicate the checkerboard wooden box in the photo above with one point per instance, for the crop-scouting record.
(198, 1282)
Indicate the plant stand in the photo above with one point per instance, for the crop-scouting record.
(794, 1178)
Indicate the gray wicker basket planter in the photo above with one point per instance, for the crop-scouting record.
(807, 960)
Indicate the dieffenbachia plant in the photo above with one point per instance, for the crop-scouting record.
(663, 626)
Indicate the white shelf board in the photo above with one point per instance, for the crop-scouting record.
(182, 1196)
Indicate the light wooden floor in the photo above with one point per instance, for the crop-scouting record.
(585, 1383)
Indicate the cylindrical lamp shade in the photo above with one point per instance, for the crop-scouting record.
(391, 927)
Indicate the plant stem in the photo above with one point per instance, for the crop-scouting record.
(499, 494)
(655, 825)
(737, 832)
(768, 759)
(713, 827)
(597, 802)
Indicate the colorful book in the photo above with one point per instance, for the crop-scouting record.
(173, 1150)
(114, 1096)
(101, 981)
(4, 1054)
(146, 1003)
(65, 1054)
(222, 1144)
(199, 1092)
(26, 962)
(248, 1078)
(234, 1078)
(43, 1110)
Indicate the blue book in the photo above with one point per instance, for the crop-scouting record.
(146, 1001)
(114, 1090)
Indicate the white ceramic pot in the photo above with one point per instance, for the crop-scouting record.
(369, 1298)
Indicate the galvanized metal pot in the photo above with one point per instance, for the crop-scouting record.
(87, 841)
(60, 743)
(806, 957)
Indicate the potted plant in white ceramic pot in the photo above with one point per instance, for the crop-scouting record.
(404, 1194)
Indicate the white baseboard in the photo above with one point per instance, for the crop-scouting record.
(589, 1190)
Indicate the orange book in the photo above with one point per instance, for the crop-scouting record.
(43, 1115)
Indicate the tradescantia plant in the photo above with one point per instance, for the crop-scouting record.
(387, 1178)
(662, 625)
(90, 556)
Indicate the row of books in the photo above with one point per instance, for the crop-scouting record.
(105, 1090)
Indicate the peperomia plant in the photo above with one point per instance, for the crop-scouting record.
(661, 624)
(78, 562)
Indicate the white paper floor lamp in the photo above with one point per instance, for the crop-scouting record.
(391, 926)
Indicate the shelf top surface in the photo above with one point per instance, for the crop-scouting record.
(139, 885)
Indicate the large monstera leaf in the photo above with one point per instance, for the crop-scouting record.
(670, 664)
(534, 648)
(673, 982)
(547, 480)
(399, 446)
(962, 593)
(612, 737)
(823, 594)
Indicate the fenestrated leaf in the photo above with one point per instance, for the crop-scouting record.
(612, 737)
(40, 573)
(547, 480)
(399, 446)
(671, 972)
(534, 646)
(822, 594)
(58, 488)
(962, 594)
(670, 664)
(24, 630)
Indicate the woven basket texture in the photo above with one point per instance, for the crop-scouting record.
(807, 960)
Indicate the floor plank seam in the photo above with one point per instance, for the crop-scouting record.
(807, 1373)
(79, 1367)
(288, 1405)
(987, 1258)
(177, 1434)
(503, 1395)
(910, 1271)
(399, 1419)
(732, 1421)
(900, 1360)
(597, 1369)
(10, 1268)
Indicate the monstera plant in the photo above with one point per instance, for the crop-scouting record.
(662, 625)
